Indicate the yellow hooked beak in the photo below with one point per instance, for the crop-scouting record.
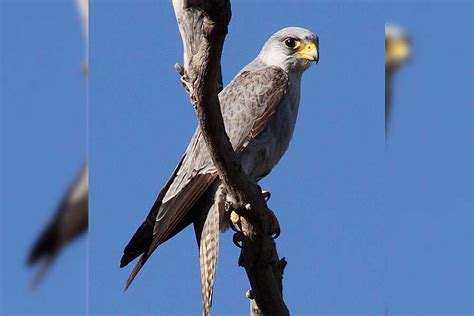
(310, 52)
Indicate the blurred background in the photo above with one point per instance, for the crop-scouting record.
(44, 140)
(371, 225)
(427, 195)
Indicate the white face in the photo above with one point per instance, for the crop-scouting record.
(293, 49)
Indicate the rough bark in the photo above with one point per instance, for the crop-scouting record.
(203, 27)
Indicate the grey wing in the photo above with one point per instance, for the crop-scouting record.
(246, 103)
(250, 101)
(170, 212)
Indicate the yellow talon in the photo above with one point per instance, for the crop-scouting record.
(235, 218)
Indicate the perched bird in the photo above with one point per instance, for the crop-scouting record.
(259, 108)
(397, 52)
(69, 222)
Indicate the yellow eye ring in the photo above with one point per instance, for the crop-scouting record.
(291, 43)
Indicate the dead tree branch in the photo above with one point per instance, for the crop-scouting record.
(203, 27)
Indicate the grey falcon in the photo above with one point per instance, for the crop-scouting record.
(259, 107)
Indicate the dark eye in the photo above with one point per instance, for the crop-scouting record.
(291, 43)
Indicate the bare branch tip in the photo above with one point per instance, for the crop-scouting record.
(179, 68)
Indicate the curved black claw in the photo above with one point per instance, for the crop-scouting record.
(234, 227)
(274, 226)
(237, 239)
(276, 233)
(266, 195)
(234, 221)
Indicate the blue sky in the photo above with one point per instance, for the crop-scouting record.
(44, 121)
(324, 190)
(428, 164)
(366, 228)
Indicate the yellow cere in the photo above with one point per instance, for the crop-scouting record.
(308, 51)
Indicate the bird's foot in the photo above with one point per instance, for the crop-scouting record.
(238, 238)
(274, 225)
(266, 195)
(235, 218)
(235, 222)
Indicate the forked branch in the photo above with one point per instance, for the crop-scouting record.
(203, 26)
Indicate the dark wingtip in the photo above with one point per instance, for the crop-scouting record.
(139, 243)
(127, 284)
(45, 246)
(41, 273)
(124, 261)
(128, 257)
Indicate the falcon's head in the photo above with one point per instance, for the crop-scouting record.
(292, 48)
(397, 46)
